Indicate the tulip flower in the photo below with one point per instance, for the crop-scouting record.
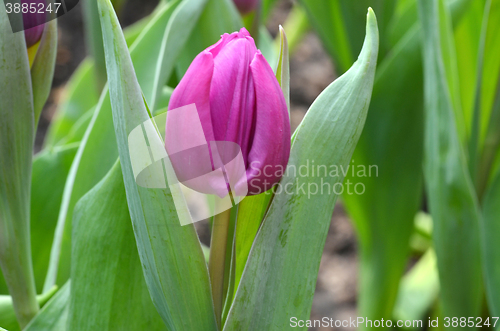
(246, 6)
(33, 22)
(239, 102)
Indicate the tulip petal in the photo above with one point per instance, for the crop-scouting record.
(232, 96)
(270, 149)
(195, 88)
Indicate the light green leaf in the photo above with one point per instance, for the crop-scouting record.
(171, 255)
(54, 315)
(453, 203)
(80, 95)
(280, 276)
(50, 170)
(418, 290)
(97, 153)
(16, 149)
(108, 291)
(42, 71)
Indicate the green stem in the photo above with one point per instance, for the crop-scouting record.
(217, 260)
(18, 273)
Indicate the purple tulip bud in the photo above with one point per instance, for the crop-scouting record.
(239, 103)
(33, 20)
(246, 6)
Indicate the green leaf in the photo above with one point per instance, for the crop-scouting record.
(251, 211)
(283, 68)
(80, 95)
(146, 65)
(54, 315)
(390, 154)
(95, 156)
(16, 149)
(326, 17)
(453, 203)
(280, 276)
(490, 252)
(42, 71)
(50, 170)
(418, 290)
(94, 42)
(171, 255)
(98, 152)
(108, 291)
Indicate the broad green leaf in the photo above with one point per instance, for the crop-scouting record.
(452, 200)
(97, 152)
(54, 315)
(171, 255)
(16, 149)
(386, 162)
(95, 156)
(490, 228)
(42, 71)
(50, 170)
(108, 291)
(80, 95)
(7, 314)
(418, 290)
(280, 276)
(184, 19)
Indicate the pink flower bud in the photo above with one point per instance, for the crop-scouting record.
(33, 19)
(238, 101)
(246, 6)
